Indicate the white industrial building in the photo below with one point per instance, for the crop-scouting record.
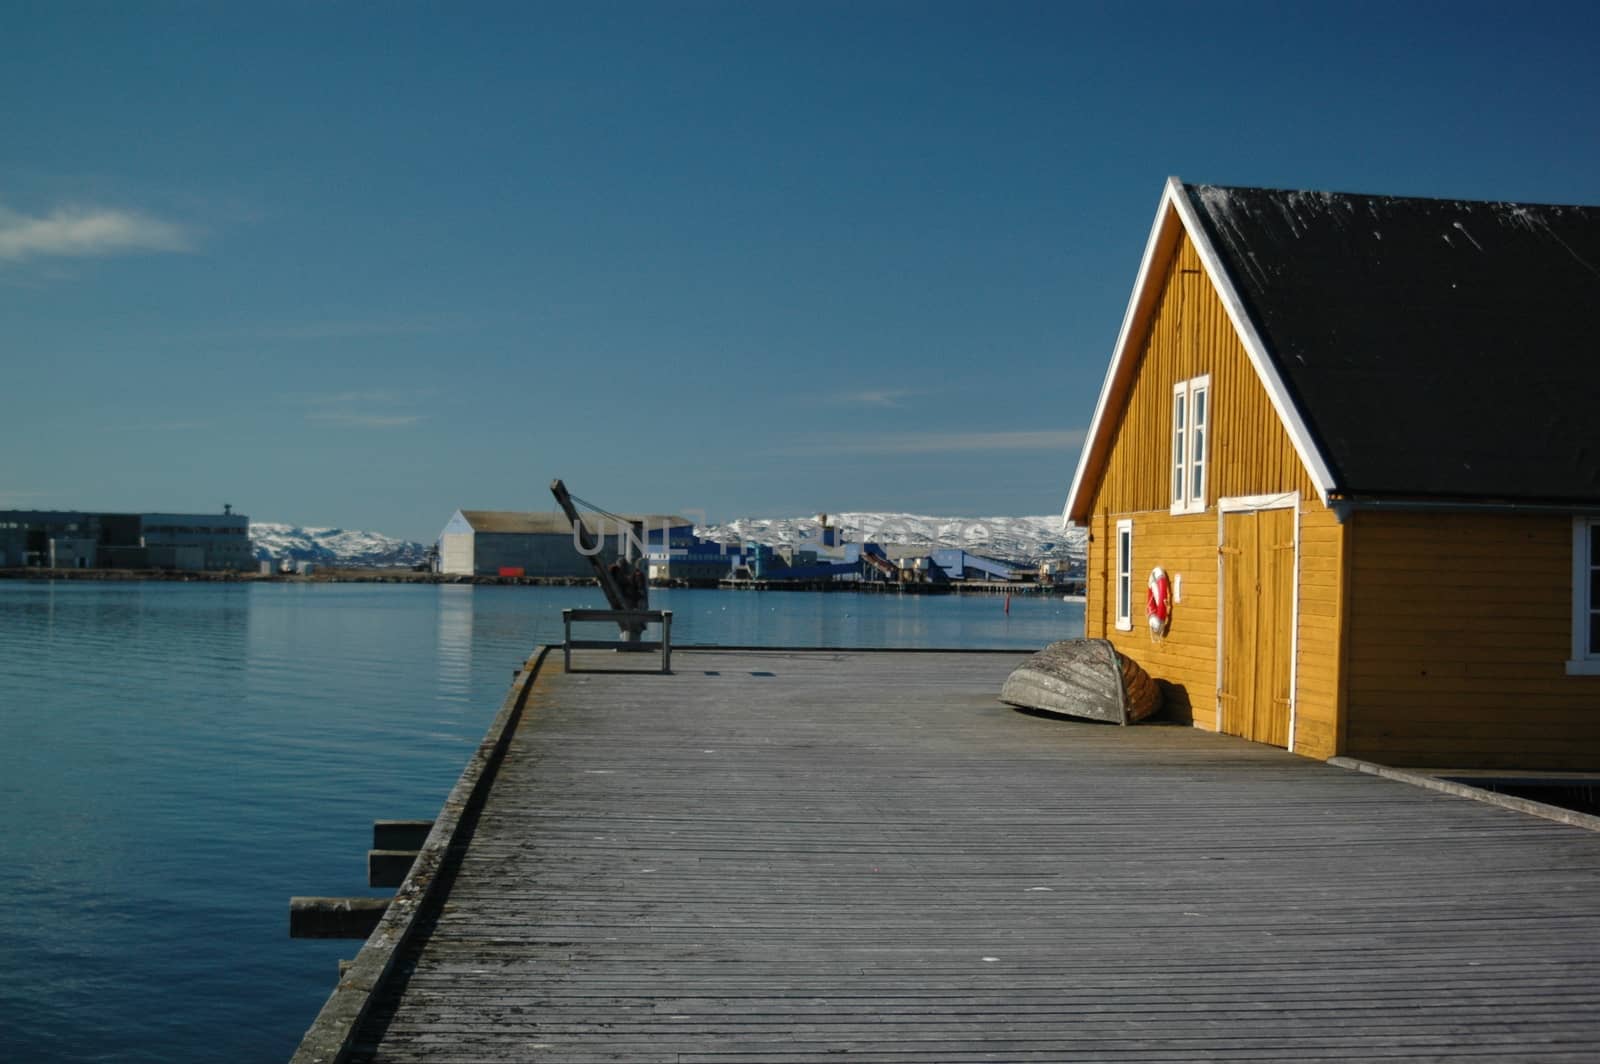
(511, 543)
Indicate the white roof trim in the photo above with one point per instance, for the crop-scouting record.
(1175, 210)
(1095, 441)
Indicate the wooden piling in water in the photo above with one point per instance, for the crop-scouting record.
(335, 917)
(388, 868)
(400, 834)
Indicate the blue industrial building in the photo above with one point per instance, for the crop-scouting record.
(961, 564)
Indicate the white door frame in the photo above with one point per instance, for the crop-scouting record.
(1251, 503)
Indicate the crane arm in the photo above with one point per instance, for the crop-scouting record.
(632, 592)
(591, 546)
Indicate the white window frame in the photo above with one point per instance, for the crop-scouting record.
(1585, 611)
(1187, 497)
(1124, 572)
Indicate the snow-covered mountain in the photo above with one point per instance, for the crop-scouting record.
(341, 547)
(1022, 539)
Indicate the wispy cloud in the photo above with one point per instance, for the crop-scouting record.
(883, 397)
(86, 232)
(941, 442)
(369, 395)
(345, 330)
(373, 408)
(354, 419)
(180, 425)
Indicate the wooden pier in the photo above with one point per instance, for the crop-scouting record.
(802, 856)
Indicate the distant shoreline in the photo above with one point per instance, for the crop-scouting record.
(406, 576)
(329, 575)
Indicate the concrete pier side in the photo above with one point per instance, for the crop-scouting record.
(790, 856)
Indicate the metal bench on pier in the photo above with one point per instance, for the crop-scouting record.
(630, 622)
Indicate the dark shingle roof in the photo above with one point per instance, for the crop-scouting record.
(1435, 348)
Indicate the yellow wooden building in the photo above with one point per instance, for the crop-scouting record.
(1360, 435)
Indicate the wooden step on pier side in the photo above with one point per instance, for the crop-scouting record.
(796, 856)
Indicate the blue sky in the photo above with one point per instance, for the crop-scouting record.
(361, 265)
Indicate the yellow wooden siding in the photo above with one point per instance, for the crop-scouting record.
(1186, 659)
(1460, 629)
(1249, 454)
(1317, 656)
(1249, 451)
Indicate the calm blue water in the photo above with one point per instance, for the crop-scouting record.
(177, 760)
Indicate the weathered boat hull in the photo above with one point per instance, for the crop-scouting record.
(1083, 678)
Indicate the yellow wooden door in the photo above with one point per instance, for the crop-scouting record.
(1258, 570)
(1236, 684)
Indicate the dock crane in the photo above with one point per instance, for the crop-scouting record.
(623, 583)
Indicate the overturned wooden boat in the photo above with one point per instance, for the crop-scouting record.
(1083, 678)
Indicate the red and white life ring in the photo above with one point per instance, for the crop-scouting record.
(1158, 601)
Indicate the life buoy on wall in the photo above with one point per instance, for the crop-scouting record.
(1158, 602)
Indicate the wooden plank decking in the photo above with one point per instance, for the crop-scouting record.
(782, 857)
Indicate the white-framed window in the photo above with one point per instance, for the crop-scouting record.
(1585, 597)
(1125, 575)
(1191, 431)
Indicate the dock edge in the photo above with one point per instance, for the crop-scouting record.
(1560, 815)
(331, 1035)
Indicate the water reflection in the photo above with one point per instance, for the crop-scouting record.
(454, 621)
(848, 619)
